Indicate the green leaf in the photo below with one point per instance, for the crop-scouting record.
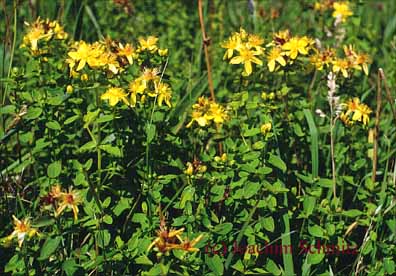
(53, 125)
(115, 151)
(14, 263)
(250, 189)
(215, 264)
(389, 266)
(273, 268)
(140, 218)
(104, 119)
(309, 205)
(55, 100)
(258, 145)
(315, 231)
(313, 131)
(122, 205)
(33, 113)
(70, 267)
(49, 247)
(71, 119)
(7, 109)
(187, 195)
(325, 183)
(150, 132)
(352, 213)
(103, 238)
(108, 219)
(90, 117)
(277, 162)
(54, 169)
(251, 132)
(143, 260)
(223, 229)
(43, 221)
(268, 224)
(87, 146)
(315, 258)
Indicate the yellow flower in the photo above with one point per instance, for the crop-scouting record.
(363, 60)
(110, 60)
(281, 37)
(206, 111)
(342, 10)
(188, 245)
(126, 51)
(150, 44)
(114, 95)
(69, 89)
(321, 59)
(345, 119)
(341, 65)
(70, 200)
(42, 30)
(217, 113)
(232, 44)
(166, 239)
(84, 77)
(56, 191)
(58, 30)
(296, 46)
(33, 36)
(242, 34)
(136, 87)
(256, 42)
(265, 128)
(247, 57)
(275, 55)
(163, 52)
(86, 53)
(318, 6)
(150, 75)
(360, 112)
(190, 169)
(164, 94)
(21, 229)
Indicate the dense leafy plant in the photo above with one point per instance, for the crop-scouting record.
(114, 161)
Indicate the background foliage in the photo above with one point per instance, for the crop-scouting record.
(130, 164)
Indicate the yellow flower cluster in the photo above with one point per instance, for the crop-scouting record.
(149, 84)
(168, 240)
(22, 228)
(340, 9)
(352, 60)
(285, 49)
(247, 46)
(150, 44)
(195, 167)
(109, 55)
(207, 111)
(61, 200)
(58, 199)
(42, 30)
(98, 56)
(355, 111)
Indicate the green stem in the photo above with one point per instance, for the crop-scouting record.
(14, 29)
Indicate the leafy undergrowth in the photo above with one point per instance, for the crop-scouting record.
(143, 149)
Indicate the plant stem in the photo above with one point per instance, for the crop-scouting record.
(333, 166)
(14, 30)
(376, 128)
(206, 42)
